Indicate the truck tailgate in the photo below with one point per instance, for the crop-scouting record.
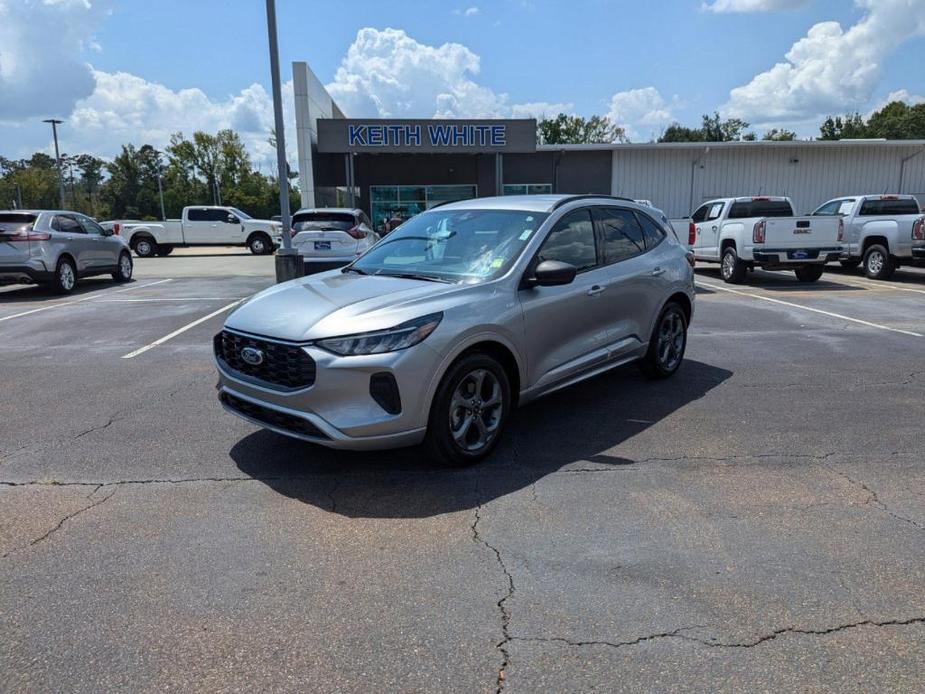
(801, 234)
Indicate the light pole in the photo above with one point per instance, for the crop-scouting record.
(289, 263)
(54, 131)
(160, 188)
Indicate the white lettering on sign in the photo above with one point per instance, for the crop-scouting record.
(396, 135)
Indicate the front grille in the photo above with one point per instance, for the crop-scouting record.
(271, 417)
(284, 366)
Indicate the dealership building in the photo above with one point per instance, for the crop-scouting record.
(395, 168)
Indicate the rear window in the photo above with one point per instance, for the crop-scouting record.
(323, 221)
(760, 208)
(11, 221)
(871, 208)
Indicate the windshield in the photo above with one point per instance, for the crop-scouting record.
(453, 245)
(242, 215)
(323, 221)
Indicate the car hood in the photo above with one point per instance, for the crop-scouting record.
(334, 303)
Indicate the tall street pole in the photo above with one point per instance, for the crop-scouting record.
(54, 131)
(160, 187)
(289, 264)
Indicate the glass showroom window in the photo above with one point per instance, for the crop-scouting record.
(392, 205)
(526, 188)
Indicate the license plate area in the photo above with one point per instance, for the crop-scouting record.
(322, 245)
(801, 254)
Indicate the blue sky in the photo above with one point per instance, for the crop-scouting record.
(121, 67)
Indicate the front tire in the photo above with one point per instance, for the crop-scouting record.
(260, 244)
(809, 273)
(65, 277)
(469, 411)
(144, 247)
(123, 271)
(878, 265)
(731, 267)
(667, 344)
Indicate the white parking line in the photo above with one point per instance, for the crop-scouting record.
(77, 301)
(807, 308)
(187, 298)
(180, 331)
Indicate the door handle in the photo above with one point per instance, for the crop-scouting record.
(657, 271)
(714, 228)
(595, 290)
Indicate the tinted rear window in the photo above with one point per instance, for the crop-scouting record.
(323, 221)
(10, 221)
(872, 208)
(760, 208)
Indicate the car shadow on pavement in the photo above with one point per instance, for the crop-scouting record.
(575, 427)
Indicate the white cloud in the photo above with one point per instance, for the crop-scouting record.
(830, 70)
(468, 12)
(388, 74)
(899, 95)
(721, 6)
(41, 43)
(642, 113)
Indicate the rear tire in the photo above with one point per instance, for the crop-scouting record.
(123, 271)
(667, 343)
(878, 265)
(809, 273)
(65, 277)
(849, 264)
(260, 244)
(144, 247)
(469, 411)
(733, 270)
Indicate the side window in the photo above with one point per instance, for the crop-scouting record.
(197, 214)
(651, 232)
(89, 226)
(214, 215)
(623, 236)
(365, 220)
(572, 241)
(701, 214)
(829, 209)
(67, 224)
(715, 211)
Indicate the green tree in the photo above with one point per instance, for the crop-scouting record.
(712, 129)
(577, 130)
(848, 128)
(782, 135)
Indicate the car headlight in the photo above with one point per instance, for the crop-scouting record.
(380, 341)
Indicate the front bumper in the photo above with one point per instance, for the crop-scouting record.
(338, 409)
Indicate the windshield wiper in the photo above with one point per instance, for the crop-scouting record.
(357, 270)
(415, 276)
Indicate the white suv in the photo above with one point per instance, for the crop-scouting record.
(332, 235)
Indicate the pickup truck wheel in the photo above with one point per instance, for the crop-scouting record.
(667, 343)
(123, 271)
(164, 251)
(878, 265)
(809, 273)
(849, 264)
(260, 244)
(732, 269)
(144, 247)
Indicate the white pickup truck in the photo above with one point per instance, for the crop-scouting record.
(744, 233)
(882, 231)
(202, 226)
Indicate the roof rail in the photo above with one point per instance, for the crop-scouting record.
(587, 196)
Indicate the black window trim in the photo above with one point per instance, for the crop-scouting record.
(80, 229)
(658, 226)
(598, 224)
(598, 248)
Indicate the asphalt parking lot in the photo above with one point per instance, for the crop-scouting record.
(755, 523)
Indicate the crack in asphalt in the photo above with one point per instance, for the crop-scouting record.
(873, 499)
(678, 634)
(501, 646)
(62, 522)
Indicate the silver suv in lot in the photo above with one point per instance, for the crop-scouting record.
(57, 247)
(465, 311)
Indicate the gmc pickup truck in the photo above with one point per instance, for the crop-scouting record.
(744, 233)
(882, 231)
(201, 226)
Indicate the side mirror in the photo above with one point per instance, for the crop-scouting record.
(553, 273)
(232, 219)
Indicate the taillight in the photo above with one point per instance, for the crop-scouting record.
(357, 233)
(758, 232)
(889, 197)
(116, 229)
(691, 234)
(841, 230)
(761, 198)
(918, 229)
(28, 235)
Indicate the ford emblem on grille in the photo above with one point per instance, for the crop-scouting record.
(252, 356)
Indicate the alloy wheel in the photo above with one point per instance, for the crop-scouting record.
(670, 347)
(729, 261)
(144, 248)
(875, 262)
(125, 266)
(66, 276)
(476, 409)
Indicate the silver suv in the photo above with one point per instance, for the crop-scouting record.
(464, 312)
(56, 247)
